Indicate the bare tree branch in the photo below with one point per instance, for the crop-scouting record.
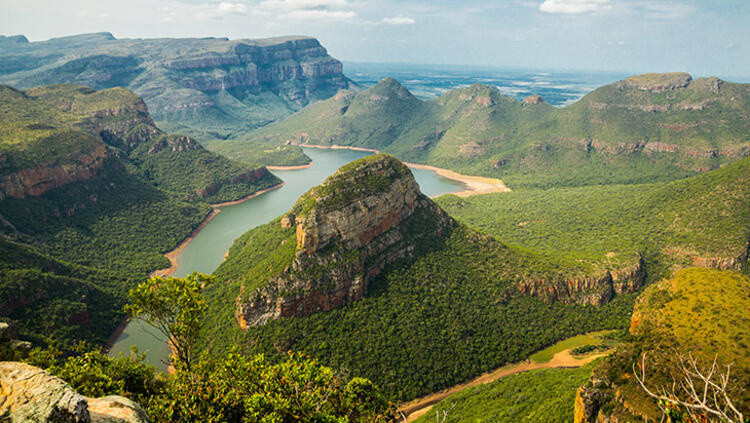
(711, 401)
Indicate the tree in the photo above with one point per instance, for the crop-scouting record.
(175, 307)
(696, 395)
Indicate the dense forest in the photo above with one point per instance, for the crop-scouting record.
(72, 250)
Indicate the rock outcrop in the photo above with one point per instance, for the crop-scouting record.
(38, 180)
(595, 290)
(30, 394)
(659, 82)
(533, 99)
(187, 80)
(348, 230)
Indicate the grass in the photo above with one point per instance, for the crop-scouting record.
(539, 396)
(697, 312)
(593, 338)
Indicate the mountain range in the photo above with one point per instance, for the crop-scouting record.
(205, 87)
(646, 128)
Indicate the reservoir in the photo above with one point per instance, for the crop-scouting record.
(207, 249)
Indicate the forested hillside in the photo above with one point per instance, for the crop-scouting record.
(91, 195)
(448, 309)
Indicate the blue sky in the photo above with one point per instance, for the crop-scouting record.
(708, 37)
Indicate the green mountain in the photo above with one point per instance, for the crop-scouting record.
(206, 87)
(91, 195)
(647, 128)
(696, 313)
(371, 277)
(702, 221)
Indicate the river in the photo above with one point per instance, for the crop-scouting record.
(207, 249)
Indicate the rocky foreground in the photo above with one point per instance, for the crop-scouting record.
(30, 394)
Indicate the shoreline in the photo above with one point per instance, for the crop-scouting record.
(216, 209)
(474, 184)
(294, 167)
(418, 407)
(115, 335)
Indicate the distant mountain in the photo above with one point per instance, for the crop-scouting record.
(207, 87)
(646, 128)
(91, 195)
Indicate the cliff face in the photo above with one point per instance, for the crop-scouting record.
(76, 132)
(595, 290)
(199, 83)
(40, 179)
(347, 231)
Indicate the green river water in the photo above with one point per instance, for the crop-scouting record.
(207, 249)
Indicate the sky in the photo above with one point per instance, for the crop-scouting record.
(703, 37)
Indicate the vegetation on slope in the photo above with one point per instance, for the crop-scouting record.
(539, 396)
(114, 222)
(697, 312)
(622, 133)
(703, 219)
(422, 325)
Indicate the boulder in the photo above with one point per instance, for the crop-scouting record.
(30, 394)
(116, 409)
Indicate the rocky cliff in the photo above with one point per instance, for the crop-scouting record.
(69, 133)
(671, 318)
(198, 84)
(29, 394)
(597, 289)
(347, 230)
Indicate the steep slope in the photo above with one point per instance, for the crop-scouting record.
(646, 128)
(91, 195)
(698, 312)
(371, 277)
(210, 87)
(703, 220)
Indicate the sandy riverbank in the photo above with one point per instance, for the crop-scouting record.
(172, 255)
(418, 407)
(474, 184)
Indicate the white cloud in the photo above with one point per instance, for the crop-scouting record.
(398, 20)
(292, 5)
(221, 10)
(573, 6)
(90, 14)
(318, 14)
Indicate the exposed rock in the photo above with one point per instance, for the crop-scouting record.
(287, 221)
(116, 409)
(533, 99)
(595, 290)
(659, 82)
(29, 394)
(39, 180)
(174, 143)
(184, 74)
(348, 230)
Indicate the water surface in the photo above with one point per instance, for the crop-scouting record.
(206, 251)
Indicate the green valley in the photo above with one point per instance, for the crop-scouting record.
(91, 195)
